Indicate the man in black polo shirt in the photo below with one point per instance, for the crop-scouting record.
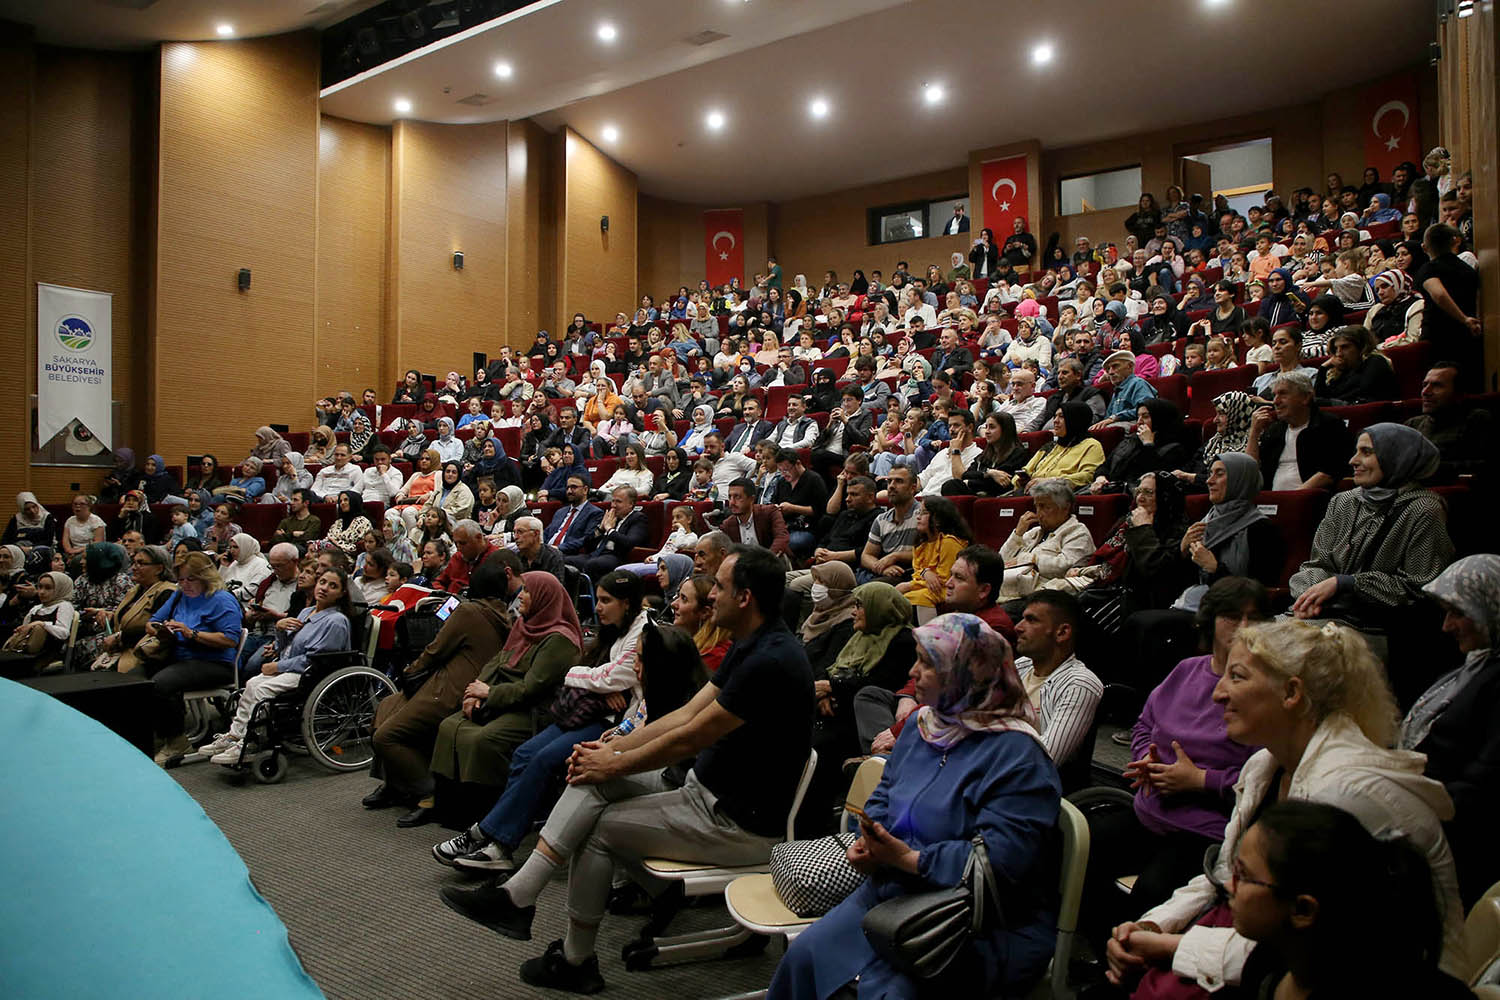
(1450, 298)
(751, 729)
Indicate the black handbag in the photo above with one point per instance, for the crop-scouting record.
(921, 934)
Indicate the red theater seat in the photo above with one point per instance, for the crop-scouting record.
(994, 518)
(1208, 386)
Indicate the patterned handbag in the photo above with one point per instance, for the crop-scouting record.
(814, 876)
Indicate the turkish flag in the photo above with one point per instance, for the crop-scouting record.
(1391, 121)
(724, 245)
(1003, 194)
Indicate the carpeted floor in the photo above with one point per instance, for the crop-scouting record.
(360, 899)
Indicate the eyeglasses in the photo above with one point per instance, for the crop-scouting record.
(1237, 875)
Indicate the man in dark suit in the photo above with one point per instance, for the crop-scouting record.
(848, 426)
(569, 432)
(621, 529)
(952, 357)
(575, 520)
(959, 223)
(751, 523)
(748, 432)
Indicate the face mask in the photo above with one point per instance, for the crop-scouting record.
(819, 593)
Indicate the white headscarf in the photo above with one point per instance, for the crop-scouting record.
(242, 576)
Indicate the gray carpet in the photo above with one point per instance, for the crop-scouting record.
(360, 899)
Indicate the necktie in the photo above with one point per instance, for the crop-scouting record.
(563, 531)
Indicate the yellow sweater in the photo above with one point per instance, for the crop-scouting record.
(1076, 464)
(937, 555)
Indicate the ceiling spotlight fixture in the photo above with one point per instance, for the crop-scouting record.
(818, 107)
(224, 30)
(610, 133)
(934, 93)
(607, 32)
(503, 70)
(1041, 55)
(402, 106)
(715, 120)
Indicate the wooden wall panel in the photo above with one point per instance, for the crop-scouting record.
(448, 192)
(831, 232)
(17, 305)
(599, 271)
(354, 166)
(237, 187)
(531, 236)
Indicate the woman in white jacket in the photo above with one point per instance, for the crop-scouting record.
(452, 495)
(244, 567)
(1315, 697)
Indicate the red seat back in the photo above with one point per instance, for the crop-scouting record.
(1208, 386)
(994, 518)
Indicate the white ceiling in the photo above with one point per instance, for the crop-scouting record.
(137, 24)
(1120, 67)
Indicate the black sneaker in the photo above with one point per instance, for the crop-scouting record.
(491, 906)
(381, 798)
(456, 847)
(553, 971)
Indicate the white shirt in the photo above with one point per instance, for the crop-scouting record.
(940, 469)
(747, 532)
(729, 467)
(380, 486)
(331, 479)
(928, 314)
(787, 436)
(1027, 413)
(1288, 475)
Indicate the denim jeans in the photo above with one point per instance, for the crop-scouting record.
(533, 768)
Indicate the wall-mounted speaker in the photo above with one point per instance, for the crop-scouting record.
(458, 260)
(604, 223)
(244, 279)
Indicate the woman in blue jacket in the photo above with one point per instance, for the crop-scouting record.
(973, 763)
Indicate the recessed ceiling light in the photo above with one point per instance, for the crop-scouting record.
(715, 120)
(225, 30)
(503, 70)
(402, 106)
(606, 32)
(934, 93)
(610, 133)
(1041, 55)
(818, 107)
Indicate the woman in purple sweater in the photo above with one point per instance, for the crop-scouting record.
(1183, 768)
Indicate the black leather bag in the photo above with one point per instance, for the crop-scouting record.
(922, 933)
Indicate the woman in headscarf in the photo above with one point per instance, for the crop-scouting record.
(567, 464)
(43, 629)
(676, 477)
(1233, 411)
(1380, 543)
(347, 531)
(291, 475)
(496, 717)
(510, 508)
(320, 446)
(1325, 314)
(1199, 298)
(495, 465)
(269, 446)
(122, 477)
(1396, 316)
(448, 447)
(1283, 302)
(1354, 372)
(134, 515)
(1379, 211)
(200, 507)
(973, 765)
(1163, 322)
(1140, 552)
(362, 439)
(415, 442)
(1154, 444)
(1451, 723)
(1070, 455)
(152, 582)
(831, 624)
(32, 524)
(1411, 257)
(243, 567)
(452, 494)
(105, 581)
(157, 484)
(703, 423)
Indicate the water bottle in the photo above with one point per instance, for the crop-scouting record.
(625, 728)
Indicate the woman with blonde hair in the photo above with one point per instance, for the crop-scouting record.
(1316, 699)
(198, 628)
(422, 481)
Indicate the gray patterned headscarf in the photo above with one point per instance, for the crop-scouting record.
(1471, 586)
(1237, 408)
(1405, 456)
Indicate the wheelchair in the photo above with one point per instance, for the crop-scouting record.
(329, 715)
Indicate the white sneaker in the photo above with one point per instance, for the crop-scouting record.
(220, 743)
(492, 857)
(229, 755)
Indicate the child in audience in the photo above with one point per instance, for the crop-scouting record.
(181, 527)
(703, 487)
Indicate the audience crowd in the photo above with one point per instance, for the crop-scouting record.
(929, 517)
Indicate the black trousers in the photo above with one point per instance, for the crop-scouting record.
(1120, 846)
(172, 680)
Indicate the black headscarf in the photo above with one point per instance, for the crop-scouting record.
(1077, 418)
(1418, 256)
(356, 508)
(1166, 421)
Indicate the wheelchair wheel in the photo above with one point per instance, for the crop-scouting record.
(271, 768)
(338, 719)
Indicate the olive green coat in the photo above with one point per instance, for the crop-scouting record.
(467, 751)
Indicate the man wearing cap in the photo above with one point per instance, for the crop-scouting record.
(1130, 389)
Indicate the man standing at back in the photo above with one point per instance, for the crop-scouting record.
(751, 729)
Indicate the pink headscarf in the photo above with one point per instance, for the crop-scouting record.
(982, 693)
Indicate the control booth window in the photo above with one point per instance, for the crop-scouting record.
(915, 220)
(1096, 192)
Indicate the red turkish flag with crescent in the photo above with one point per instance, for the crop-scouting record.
(1003, 194)
(1392, 123)
(724, 245)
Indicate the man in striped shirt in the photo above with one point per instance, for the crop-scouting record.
(1064, 692)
